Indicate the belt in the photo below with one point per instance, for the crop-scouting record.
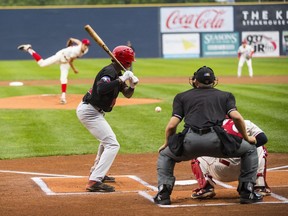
(225, 162)
(202, 131)
(97, 108)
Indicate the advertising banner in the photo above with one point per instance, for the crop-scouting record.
(285, 42)
(219, 44)
(181, 45)
(265, 44)
(197, 19)
(261, 17)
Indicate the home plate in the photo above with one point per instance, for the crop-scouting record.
(77, 185)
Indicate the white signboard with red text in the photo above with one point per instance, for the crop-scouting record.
(265, 44)
(197, 19)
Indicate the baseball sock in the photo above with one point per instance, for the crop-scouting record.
(34, 54)
(63, 88)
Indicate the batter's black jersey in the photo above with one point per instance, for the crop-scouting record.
(106, 88)
(203, 107)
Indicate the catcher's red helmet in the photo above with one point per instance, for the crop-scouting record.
(125, 55)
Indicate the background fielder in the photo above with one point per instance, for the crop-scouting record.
(65, 57)
(228, 169)
(245, 53)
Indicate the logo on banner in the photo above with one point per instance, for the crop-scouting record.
(198, 19)
(219, 44)
(264, 17)
(264, 43)
(187, 44)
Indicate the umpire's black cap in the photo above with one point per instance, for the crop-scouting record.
(205, 75)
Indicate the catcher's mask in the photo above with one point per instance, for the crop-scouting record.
(125, 55)
(192, 80)
(204, 75)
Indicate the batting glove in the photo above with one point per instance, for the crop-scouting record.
(133, 81)
(126, 76)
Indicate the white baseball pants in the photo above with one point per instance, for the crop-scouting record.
(57, 59)
(241, 62)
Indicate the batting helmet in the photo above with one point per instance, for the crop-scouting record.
(125, 55)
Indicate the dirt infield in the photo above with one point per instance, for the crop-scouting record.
(56, 185)
(51, 101)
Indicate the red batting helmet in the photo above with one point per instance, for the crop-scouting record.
(86, 42)
(125, 55)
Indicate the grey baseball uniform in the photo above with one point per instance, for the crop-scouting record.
(98, 100)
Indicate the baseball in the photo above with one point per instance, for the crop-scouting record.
(158, 109)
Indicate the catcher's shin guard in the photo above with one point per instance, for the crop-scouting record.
(262, 167)
(196, 170)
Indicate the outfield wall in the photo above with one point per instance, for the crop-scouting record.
(155, 31)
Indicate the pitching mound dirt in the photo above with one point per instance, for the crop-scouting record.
(52, 101)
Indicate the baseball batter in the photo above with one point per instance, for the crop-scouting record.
(245, 53)
(101, 98)
(228, 169)
(65, 57)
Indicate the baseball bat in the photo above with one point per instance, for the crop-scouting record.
(101, 43)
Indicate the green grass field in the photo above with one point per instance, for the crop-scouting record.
(31, 133)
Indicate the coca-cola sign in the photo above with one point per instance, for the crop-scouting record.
(197, 19)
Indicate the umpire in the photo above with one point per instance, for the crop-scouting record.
(203, 109)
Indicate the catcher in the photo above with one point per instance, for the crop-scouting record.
(245, 53)
(228, 169)
(65, 57)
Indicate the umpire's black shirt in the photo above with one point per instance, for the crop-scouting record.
(203, 107)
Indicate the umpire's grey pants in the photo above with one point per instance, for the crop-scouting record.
(196, 145)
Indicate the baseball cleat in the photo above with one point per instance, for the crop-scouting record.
(94, 186)
(163, 195)
(24, 47)
(108, 179)
(63, 101)
(249, 198)
(162, 199)
(203, 193)
(264, 191)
